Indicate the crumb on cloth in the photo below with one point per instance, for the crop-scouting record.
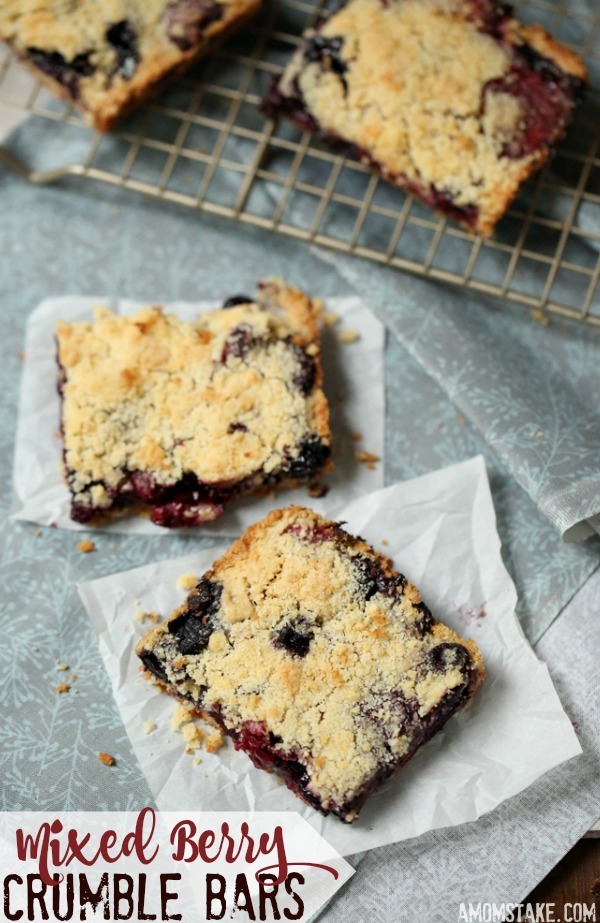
(62, 688)
(107, 759)
(86, 546)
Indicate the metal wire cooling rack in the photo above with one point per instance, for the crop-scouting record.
(204, 144)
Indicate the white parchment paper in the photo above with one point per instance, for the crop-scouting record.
(441, 533)
(354, 383)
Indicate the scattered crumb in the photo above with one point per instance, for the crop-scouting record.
(366, 457)
(384, 541)
(214, 741)
(183, 719)
(371, 467)
(348, 336)
(541, 317)
(462, 420)
(330, 318)
(187, 581)
(355, 437)
(62, 687)
(181, 715)
(196, 761)
(62, 666)
(318, 490)
(73, 677)
(141, 616)
(86, 546)
(193, 737)
(149, 727)
(37, 533)
(22, 355)
(107, 759)
(540, 433)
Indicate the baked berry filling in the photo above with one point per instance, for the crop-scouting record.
(326, 50)
(194, 627)
(66, 73)
(311, 457)
(295, 637)
(123, 38)
(236, 300)
(186, 21)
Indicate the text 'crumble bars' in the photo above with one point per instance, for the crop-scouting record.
(182, 417)
(315, 657)
(453, 100)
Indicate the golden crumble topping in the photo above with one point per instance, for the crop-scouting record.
(429, 96)
(304, 641)
(230, 399)
(107, 55)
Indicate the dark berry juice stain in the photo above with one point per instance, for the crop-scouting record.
(235, 300)
(295, 637)
(123, 38)
(194, 627)
(67, 73)
(186, 21)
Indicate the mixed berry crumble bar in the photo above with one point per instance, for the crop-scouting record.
(105, 57)
(182, 417)
(316, 657)
(453, 100)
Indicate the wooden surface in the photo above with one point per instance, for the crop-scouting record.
(575, 879)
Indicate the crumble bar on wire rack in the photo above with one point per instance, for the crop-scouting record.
(182, 417)
(316, 657)
(106, 57)
(453, 100)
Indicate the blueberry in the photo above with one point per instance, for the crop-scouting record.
(237, 428)
(238, 343)
(371, 578)
(187, 19)
(447, 657)
(194, 627)
(153, 664)
(312, 455)
(326, 51)
(67, 73)
(123, 38)
(295, 637)
(235, 300)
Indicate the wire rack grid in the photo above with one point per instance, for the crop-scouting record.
(203, 143)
